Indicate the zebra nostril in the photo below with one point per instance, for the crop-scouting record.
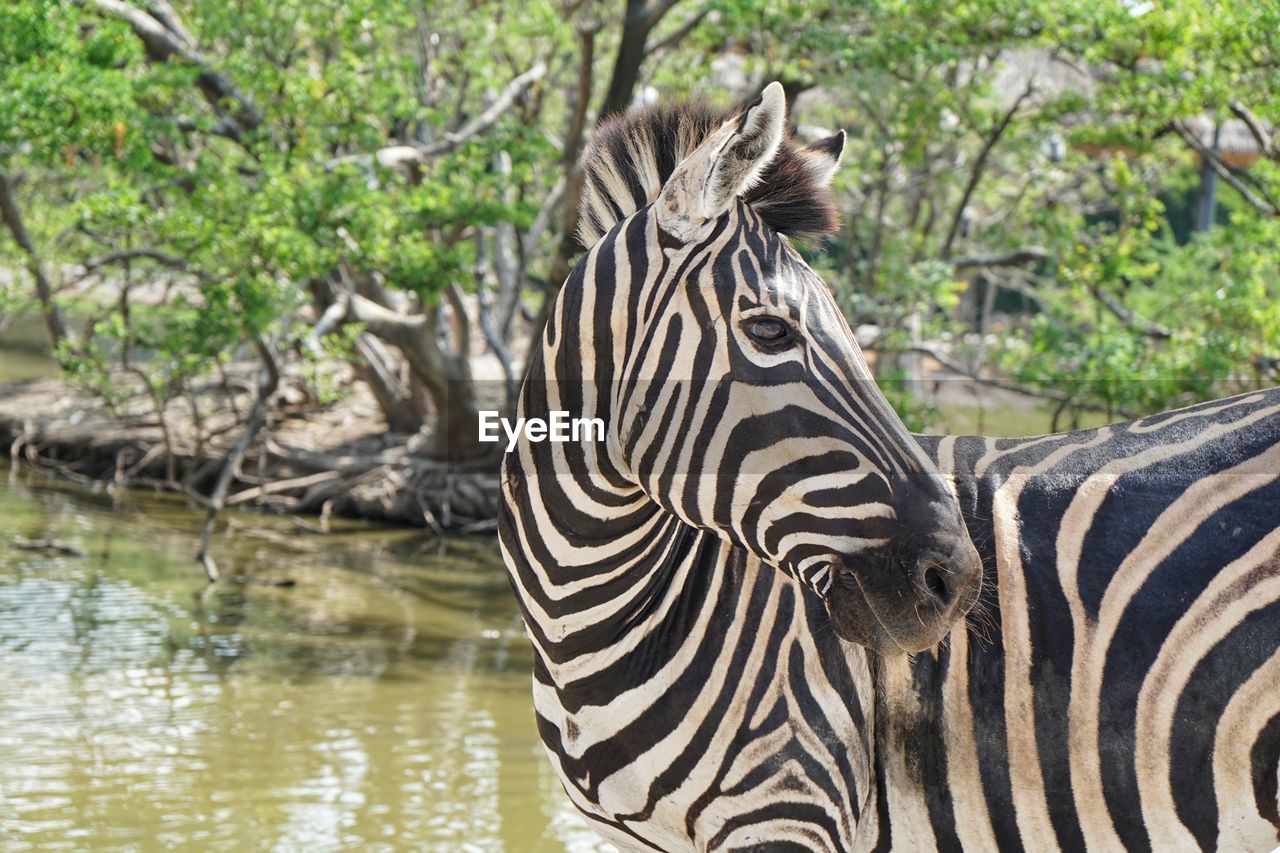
(935, 582)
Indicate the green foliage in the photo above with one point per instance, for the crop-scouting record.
(121, 153)
(980, 127)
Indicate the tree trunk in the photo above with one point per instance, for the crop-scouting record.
(444, 374)
(59, 330)
(456, 434)
(400, 410)
(637, 23)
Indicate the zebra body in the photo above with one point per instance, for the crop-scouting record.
(1122, 689)
(718, 595)
(1154, 725)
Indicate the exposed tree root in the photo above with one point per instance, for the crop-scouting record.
(278, 462)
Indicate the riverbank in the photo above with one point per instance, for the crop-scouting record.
(311, 458)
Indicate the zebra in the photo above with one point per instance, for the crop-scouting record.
(702, 587)
(1119, 686)
(1122, 687)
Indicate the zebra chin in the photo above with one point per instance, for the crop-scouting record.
(903, 606)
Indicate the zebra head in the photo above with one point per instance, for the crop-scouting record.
(739, 401)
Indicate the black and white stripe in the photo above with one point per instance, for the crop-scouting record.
(693, 584)
(1120, 688)
(685, 581)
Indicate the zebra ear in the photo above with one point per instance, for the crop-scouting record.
(822, 158)
(726, 165)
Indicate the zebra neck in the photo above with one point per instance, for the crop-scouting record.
(594, 559)
(593, 577)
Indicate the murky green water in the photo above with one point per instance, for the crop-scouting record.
(382, 702)
(24, 350)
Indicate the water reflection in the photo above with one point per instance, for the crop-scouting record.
(381, 702)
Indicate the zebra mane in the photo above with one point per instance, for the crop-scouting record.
(632, 154)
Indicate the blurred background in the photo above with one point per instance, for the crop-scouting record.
(274, 255)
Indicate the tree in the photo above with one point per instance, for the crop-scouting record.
(1039, 153)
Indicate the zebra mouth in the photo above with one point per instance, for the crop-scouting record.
(854, 617)
(885, 624)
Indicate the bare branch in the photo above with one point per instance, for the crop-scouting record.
(993, 381)
(998, 382)
(416, 154)
(655, 13)
(332, 317)
(1016, 257)
(980, 165)
(268, 382)
(1141, 325)
(679, 34)
(395, 328)
(163, 12)
(1222, 171)
(1266, 144)
(59, 329)
(546, 211)
(163, 258)
(461, 320)
(489, 117)
(257, 492)
(506, 263)
(485, 314)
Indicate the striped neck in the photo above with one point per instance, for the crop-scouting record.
(593, 556)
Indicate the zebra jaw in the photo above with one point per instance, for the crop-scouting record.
(865, 603)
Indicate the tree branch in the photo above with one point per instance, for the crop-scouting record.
(332, 317)
(1016, 257)
(461, 320)
(490, 116)
(996, 382)
(59, 330)
(1132, 321)
(485, 316)
(980, 165)
(163, 12)
(163, 258)
(399, 329)
(993, 381)
(394, 156)
(1220, 168)
(268, 382)
(1266, 144)
(655, 13)
(162, 43)
(678, 35)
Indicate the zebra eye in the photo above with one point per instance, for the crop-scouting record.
(768, 331)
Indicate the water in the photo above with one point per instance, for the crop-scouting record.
(380, 703)
(24, 349)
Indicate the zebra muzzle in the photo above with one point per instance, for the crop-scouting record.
(908, 603)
